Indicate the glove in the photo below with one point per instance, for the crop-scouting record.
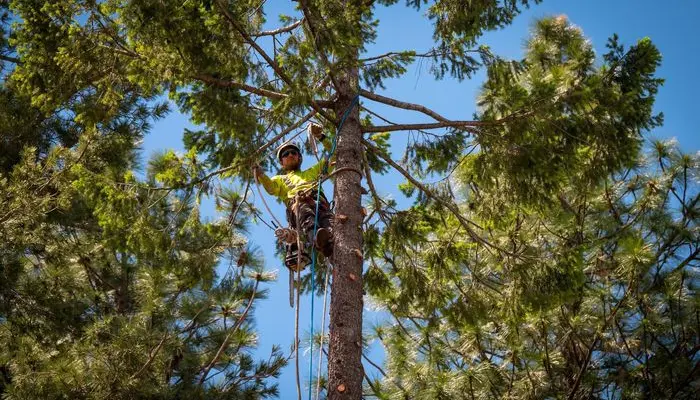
(317, 132)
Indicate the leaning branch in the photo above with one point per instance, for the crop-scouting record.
(10, 59)
(241, 162)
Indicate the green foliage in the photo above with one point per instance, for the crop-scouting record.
(558, 112)
(109, 285)
(592, 296)
(113, 291)
(552, 261)
(459, 24)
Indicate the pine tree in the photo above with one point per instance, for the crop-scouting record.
(596, 300)
(207, 56)
(108, 286)
(582, 284)
(549, 124)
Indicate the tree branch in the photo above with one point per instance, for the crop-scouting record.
(283, 29)
(314, 34)
(442, 121)
(596, 338)
(236, 165)
(224, 344)
(406, 106)
(208, 79)
(373, 190)
(467, 224)
(469, 126)
(272, 63)
(151, 357)
(427, 54)
(10, 59)
(248, 39)
(280, 135)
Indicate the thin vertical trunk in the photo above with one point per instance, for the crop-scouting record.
(344, 361)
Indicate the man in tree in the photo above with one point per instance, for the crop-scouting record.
(297, 190)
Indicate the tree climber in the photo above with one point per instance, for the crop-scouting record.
(297, 190)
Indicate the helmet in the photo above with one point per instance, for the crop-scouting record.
(285, 146)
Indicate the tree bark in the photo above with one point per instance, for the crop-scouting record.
(345, 370)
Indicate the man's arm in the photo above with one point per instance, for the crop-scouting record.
(274, 187)
(315, 171)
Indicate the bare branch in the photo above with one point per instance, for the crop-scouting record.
(390, 54)
(427, 54)
(10, 59)
(283, 29)
(405, 105)
(469, 126)
(443, 122)
(208, 79)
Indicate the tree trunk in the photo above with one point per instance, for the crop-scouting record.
(345, 370)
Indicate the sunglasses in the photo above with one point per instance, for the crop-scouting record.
(289, 153)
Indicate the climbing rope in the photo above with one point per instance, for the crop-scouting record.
(323, 333)
(275, 220)
(327, 158)
(296, 331)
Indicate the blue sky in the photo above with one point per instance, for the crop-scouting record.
(672, 26)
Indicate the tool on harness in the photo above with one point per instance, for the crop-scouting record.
(286, 235)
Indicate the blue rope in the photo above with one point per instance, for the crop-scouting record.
(327, 157)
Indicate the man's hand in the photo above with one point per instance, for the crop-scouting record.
(317, 131)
